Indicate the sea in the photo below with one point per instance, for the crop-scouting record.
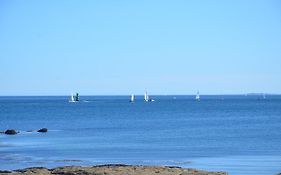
(234, 133)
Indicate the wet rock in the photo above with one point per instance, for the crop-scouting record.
(11, 132)
(5, 172)
(43, 130)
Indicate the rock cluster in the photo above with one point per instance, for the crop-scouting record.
(13, 132)
(112, 170)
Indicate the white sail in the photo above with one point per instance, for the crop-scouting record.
(72, 98)
(132, 98)
(145, 96)
(197, 96)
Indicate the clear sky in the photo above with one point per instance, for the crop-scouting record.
(122, 46)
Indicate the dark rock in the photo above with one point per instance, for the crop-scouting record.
(4, 171)
(112, 165)
(172, 167)
(43, 130)
(11, 132)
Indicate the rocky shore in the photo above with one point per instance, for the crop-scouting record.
(114, 169)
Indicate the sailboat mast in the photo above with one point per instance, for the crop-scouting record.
(197, 96)
(145, 96)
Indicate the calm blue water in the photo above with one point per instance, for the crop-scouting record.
(237, 134)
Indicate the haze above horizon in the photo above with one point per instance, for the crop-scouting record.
(123, 47)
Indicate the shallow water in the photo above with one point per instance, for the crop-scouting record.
(237, 134)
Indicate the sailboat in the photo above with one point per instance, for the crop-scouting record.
(132, 98)
(146, 97)
(74, 98)
(197, 98)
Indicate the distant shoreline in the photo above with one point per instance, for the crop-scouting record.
(112, 169)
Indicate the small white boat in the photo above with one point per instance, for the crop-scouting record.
(74, 98)
(132, 98)
(146, 98)
(197, 97)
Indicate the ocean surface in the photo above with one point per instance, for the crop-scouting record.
(237, 134)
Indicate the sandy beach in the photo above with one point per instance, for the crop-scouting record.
(115, 169)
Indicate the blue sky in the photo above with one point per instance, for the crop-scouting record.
(121, 47)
